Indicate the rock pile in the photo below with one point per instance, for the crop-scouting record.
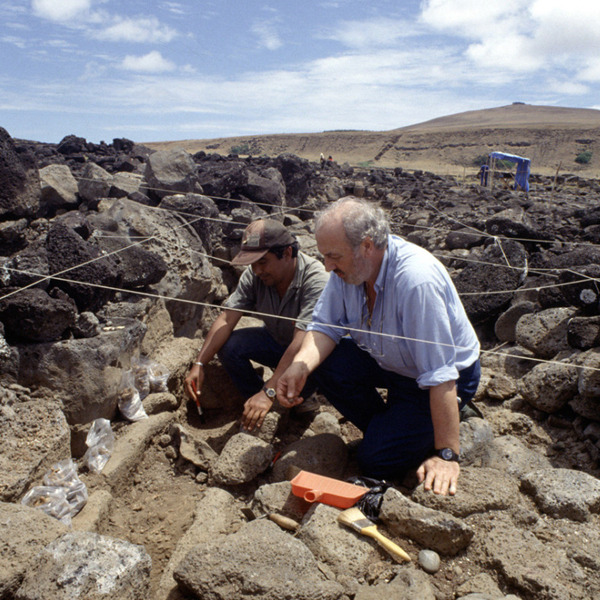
(109, 252)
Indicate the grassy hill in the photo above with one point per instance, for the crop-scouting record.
(552, 137)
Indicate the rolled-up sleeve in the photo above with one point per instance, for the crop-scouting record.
(429, 335)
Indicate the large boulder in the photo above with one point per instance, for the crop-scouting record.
(189, 276)
(33, 315)
(169, 171)
(248, 563)
(85, 372)
(59, 189)
(34, 435)
(24, 532)
(19, 180)
(75, 260)
(96, 567)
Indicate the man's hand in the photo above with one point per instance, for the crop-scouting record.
(291, 383)
(255, 409)
(194, 377)
(439, 475)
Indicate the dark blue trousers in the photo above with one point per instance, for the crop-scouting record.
(398, 433)
(258, 345)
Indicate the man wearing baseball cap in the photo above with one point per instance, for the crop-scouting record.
(282, 285)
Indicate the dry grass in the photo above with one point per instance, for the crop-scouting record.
(551, 137)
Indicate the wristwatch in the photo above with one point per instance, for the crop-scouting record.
(447, 454)
(270, 392)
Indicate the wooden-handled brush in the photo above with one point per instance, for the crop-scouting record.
(355, 519)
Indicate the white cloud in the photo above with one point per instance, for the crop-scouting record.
(153, 62)
(267, 34)
(373, 33)
(60, 10)
(143, 29)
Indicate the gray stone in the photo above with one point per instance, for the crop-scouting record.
(326, 422)
(429, 528)
(342, 549)
(81, 370)
(249, 563)
(158, 402)
(129, 449)
(189, 276)
(475, 436)
(589, 377)
(505, 327)
(549, 386)
(480, 489)
(409, 584)
(510, 552)
(169, 171)
(194, 449)
(500, 386)
(588, 408)
(429, 561)
(33, 436)
(94, 183)
(545, 332)
(215, 516)
(323, 454)
(508, 453)
(59, 188)
(91, 566)
(242, 459)
(564, 493)
(24, 532)
(278, 498)
(480, 587)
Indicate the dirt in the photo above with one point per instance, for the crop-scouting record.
(159, 506)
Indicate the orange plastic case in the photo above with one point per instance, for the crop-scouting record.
(318, 488)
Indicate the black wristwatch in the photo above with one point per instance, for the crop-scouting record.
(270, 392)
(447, 454)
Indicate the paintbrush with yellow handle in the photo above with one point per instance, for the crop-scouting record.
(355, 519)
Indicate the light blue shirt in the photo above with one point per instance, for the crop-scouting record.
(427, 335)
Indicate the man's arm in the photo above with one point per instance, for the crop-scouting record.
(316, 347)
(438, 474)
(215, 339)
(259, 405)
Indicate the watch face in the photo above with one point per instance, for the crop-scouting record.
(447, 454)
(270, 392)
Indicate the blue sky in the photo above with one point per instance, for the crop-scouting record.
(169, 70)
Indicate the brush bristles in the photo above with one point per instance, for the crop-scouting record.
(353, 517)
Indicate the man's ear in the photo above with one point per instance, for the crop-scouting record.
(368, 245)
(287, 252)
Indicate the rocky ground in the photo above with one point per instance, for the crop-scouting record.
(164, 518)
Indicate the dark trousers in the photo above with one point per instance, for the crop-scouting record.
(398, 433)
(253, 344)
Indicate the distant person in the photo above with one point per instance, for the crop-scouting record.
(322, 160)
(280, 281)
(483, 175)
(390, 319)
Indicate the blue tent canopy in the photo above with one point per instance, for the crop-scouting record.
(523, 168)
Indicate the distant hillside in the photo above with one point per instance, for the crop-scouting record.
(552, 137)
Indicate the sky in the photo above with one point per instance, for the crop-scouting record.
(197, 69)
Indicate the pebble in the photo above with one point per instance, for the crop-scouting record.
(429, 561)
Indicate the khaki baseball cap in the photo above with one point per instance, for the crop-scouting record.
(259, 237)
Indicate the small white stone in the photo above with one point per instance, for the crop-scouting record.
(429, 561)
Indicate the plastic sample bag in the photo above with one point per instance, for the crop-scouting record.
(129, 401)
(64, 474)
(100, 441)
(51, 499)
